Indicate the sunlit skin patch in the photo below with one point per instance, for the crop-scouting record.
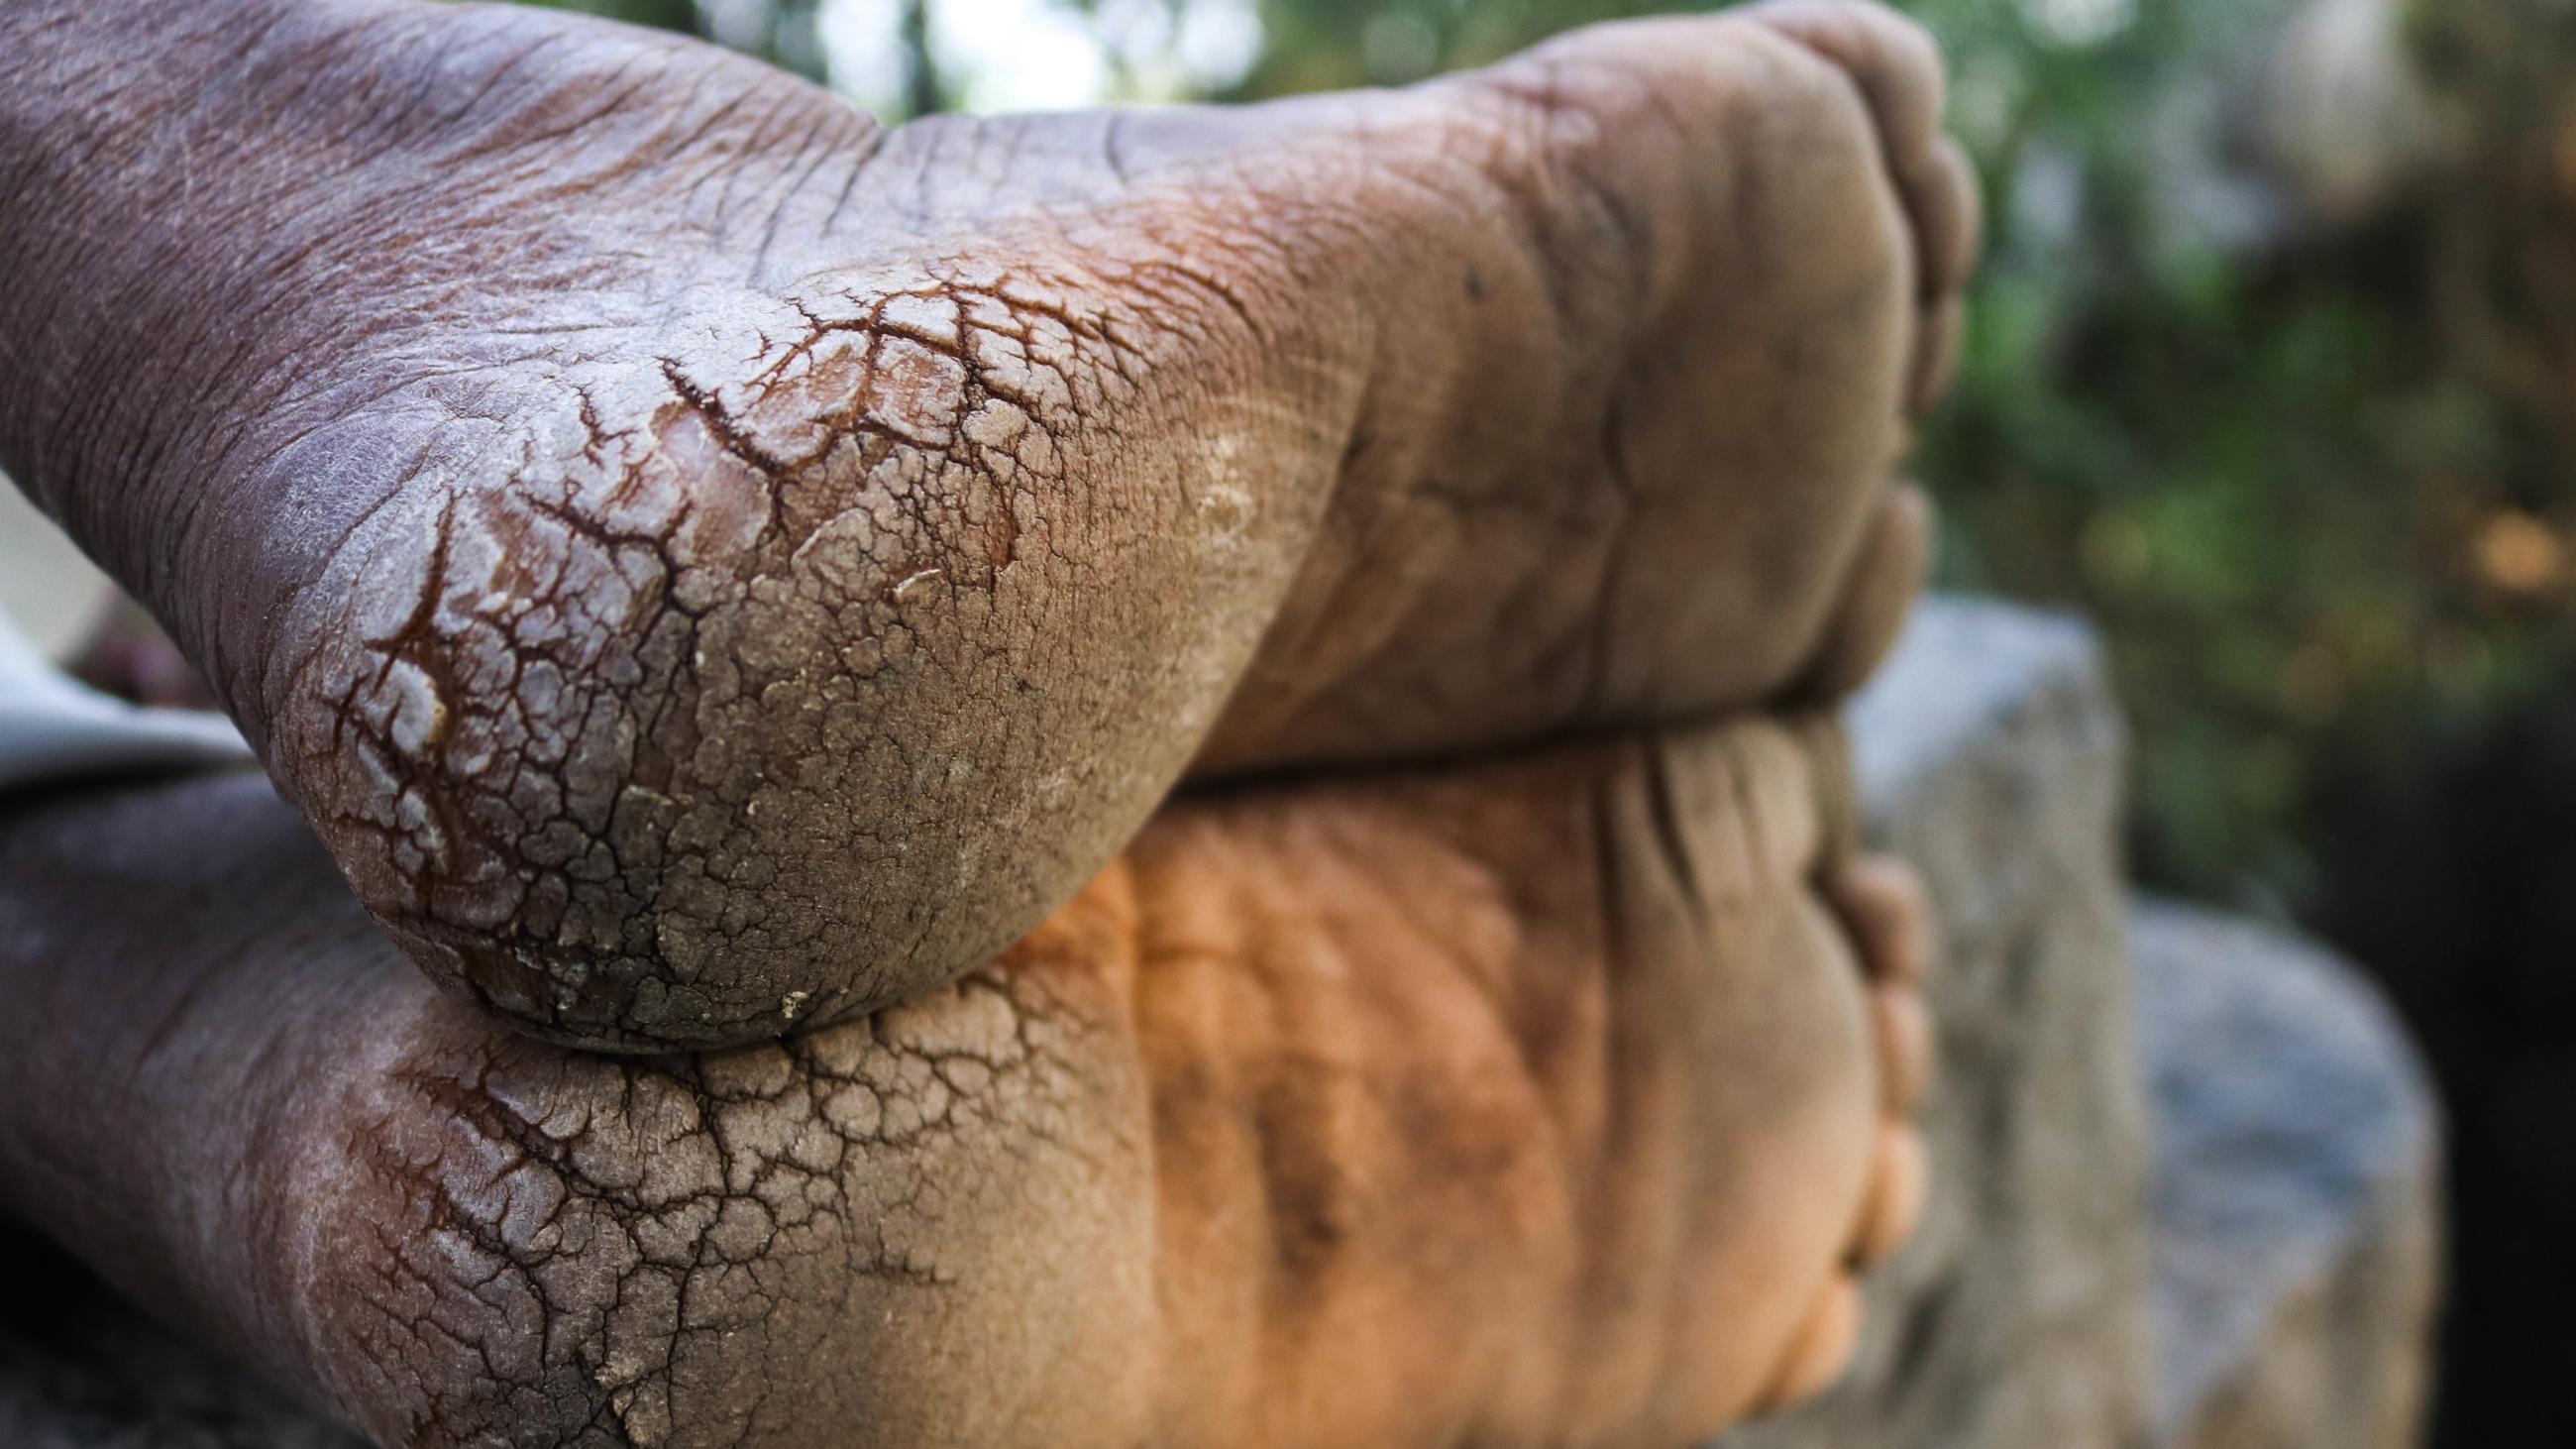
(710, 565)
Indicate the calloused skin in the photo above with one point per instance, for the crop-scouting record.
(1543, 1102)
(707, 564)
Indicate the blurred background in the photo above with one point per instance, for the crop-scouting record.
(2270, 375)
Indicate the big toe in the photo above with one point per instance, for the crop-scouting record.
(1898, 70)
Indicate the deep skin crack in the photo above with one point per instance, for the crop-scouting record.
(488, 819)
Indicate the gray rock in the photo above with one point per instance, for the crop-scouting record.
(1991, 755)
(2296, 1196)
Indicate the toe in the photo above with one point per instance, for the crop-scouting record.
(1935, 363)
(1901, 1032)
(1897, 68)
(1892, 59)
(1940, 198)
(1823, 1347)
(1895, 65)
(1883, 905)
(1884, 580)
(1902, 1183)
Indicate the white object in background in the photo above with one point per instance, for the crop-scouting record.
(48, 589)
(51, 726)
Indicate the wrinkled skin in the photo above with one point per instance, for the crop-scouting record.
(1534, 1103)
(707, 564)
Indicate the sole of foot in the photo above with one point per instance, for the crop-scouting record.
(708, 565)
(1547, 1101)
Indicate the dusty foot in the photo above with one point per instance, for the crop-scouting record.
(1533, 1103)
(707, 564)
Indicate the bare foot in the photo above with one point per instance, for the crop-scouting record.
(707, 564)
(1530, 1103)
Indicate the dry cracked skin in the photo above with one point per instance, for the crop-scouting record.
(708, 564)
(1551, 1101)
